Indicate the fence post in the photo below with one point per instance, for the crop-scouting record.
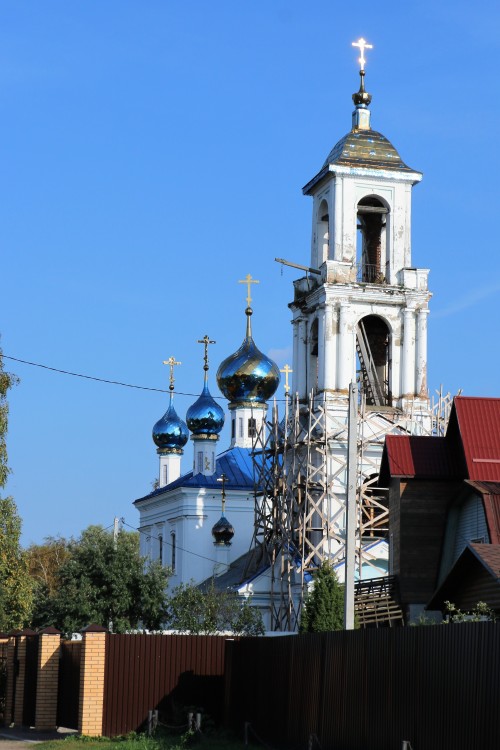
(49, 645)
(90, 713)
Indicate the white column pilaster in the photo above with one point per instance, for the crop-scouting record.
(321, 347)
(421, 368)
(345, 364)
(408, 363)
(330, 358)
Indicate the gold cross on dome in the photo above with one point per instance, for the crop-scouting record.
(171, 362)
(362, 44)
(206, 341)
(287, 370)
(248, 281)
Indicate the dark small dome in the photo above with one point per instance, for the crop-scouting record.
(170, 433)
(222, 532)
(205, 416)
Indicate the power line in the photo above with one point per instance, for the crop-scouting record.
(99, 380)
(104, 380)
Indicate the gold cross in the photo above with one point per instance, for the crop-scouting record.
(362, 44)
(287, 370)
(206, 340)
(248, 281)
(171, 362)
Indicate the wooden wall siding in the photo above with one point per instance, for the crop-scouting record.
(417, 525)
(477, 586)
(471, 524)
(163, 672)
(437, 687)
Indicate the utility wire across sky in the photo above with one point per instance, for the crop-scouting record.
(104, 380)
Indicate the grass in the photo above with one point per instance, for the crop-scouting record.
(160, 741)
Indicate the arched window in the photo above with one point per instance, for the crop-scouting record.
(312, 378)
(374, 360)
(323, 233)
(371, 240)
(172, 550)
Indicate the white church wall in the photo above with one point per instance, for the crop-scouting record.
(190, 514)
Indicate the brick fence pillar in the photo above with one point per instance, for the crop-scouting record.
(90, 713)
(20, 671)
(49, 645)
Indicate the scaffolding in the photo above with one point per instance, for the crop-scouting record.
(300, 474)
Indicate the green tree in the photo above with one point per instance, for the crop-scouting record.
(323, 608)
(45, 561)
(15, 582)
(192, 610)
(101, 581)
(16, 589)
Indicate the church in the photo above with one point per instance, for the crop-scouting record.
(260, 516)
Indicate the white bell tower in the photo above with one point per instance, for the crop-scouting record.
(363, 309)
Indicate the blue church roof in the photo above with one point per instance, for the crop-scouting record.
(235, 463)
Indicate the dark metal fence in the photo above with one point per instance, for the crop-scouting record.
(164, 673)
(68, 693)
(437, 687)
(30, 680)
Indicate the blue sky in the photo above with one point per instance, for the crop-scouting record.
(153, 153)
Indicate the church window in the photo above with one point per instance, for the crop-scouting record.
(165, 475)
(233, 428)
(252, 427)
(312, 375)
(199, 461)
(240, 425)
(173, 551)
(323, 233)
(160, 549)
(371, 250)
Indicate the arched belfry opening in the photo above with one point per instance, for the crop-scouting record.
(371, 249)
(323, 233)
(313, 356)
(373, 341)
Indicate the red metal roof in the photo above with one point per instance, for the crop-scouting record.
(479, 426)
(419, 456)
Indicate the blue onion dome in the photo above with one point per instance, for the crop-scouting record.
(248, 376)
(222, 532)
(170, 433)
(205, 416)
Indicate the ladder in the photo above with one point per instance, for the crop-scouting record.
(371, 383)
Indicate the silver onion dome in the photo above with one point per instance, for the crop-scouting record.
(170, 433)
(205, 416)
(248, 376)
